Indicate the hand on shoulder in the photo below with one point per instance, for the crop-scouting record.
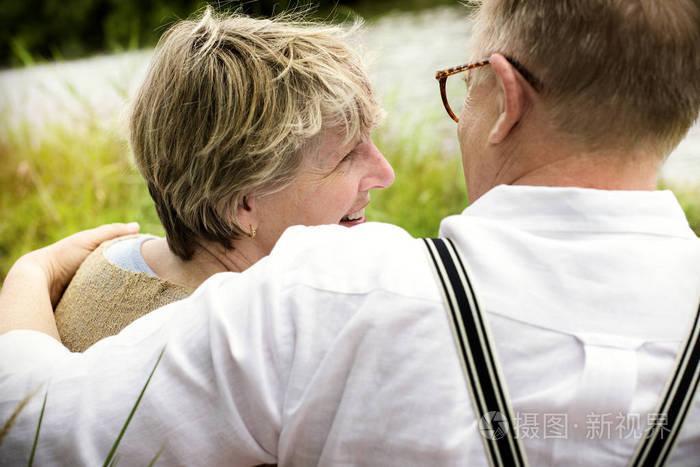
(59, 261)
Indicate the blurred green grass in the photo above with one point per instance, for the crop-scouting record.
(76, 176)
(68, 179)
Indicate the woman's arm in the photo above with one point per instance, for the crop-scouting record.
(36, 281)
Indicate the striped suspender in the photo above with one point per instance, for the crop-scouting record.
(489, 396)
(491, 404)
(661, 436)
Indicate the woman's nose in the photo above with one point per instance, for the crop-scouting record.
(380, 174)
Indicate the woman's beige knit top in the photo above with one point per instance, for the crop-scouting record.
(102, 299)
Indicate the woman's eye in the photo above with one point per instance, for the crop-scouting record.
(348, 157)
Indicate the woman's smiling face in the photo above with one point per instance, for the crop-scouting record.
(331, 187)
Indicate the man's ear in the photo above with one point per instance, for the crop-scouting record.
(513, 98)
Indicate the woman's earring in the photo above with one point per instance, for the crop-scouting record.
(252, 232)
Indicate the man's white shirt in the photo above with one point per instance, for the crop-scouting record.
(337, 350)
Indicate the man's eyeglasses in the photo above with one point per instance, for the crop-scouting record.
(454, 91)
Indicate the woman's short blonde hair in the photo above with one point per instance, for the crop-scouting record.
(229, 107)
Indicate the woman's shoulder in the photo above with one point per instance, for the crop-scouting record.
(110, 290)
(125, 253)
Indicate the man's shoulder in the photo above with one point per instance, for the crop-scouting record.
(367, 257)
(369, 235)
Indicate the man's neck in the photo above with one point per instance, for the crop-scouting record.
(588, 172)
(600, 170)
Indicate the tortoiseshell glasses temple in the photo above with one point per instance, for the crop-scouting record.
(442, 76)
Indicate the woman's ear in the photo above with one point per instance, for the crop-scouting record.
(513, 98)
(246, 211)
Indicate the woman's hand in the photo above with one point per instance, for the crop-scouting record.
(36, 281)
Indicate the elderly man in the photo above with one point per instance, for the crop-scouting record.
(338, 348)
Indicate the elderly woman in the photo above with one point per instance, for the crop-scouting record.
(242, 128)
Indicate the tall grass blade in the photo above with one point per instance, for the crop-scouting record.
(38, 429)
(134, 35)
(112, 452)
(21, 52)
(13, 416)
(155, 458)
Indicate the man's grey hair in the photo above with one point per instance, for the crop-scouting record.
(614, 72)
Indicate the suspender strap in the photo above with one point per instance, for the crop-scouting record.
(489, 396)
(677, 397)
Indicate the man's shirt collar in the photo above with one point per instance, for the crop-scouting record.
(539, 208)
